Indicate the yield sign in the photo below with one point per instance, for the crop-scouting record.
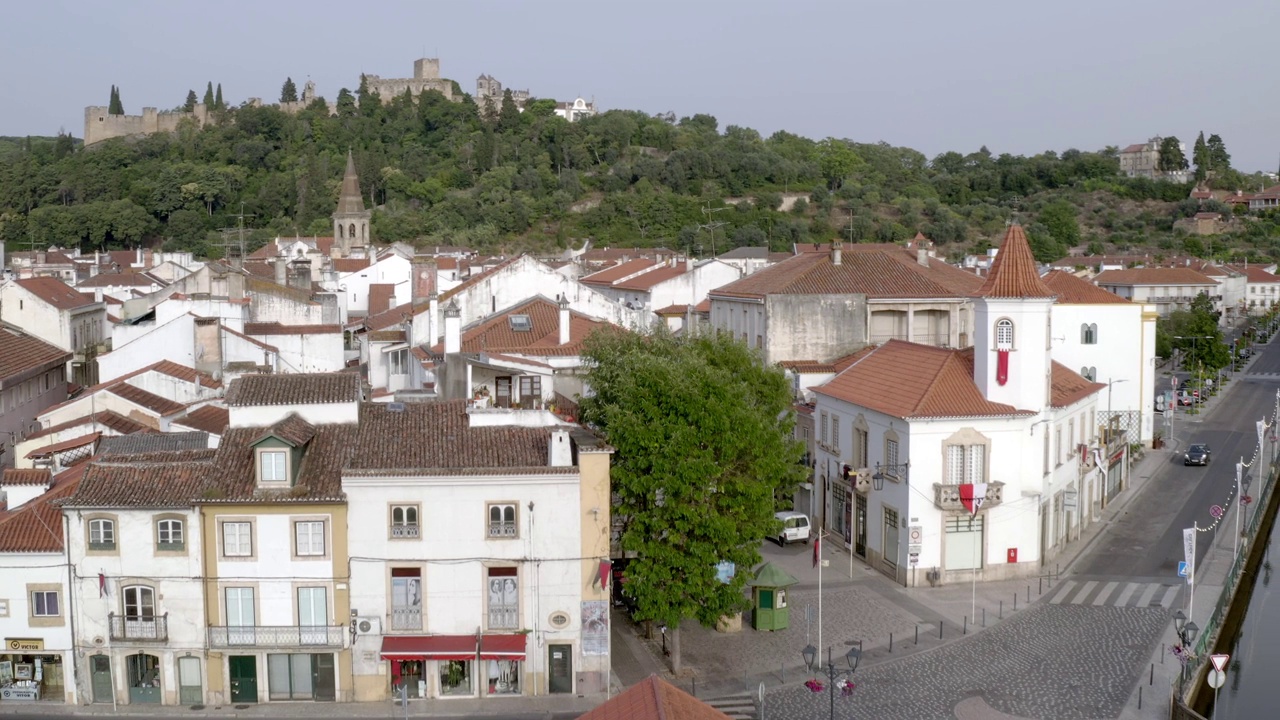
(1219, 662)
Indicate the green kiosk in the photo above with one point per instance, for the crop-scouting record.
(769, 598)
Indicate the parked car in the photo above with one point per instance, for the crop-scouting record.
(1197, 454)
(795, 526)
(1245, 353)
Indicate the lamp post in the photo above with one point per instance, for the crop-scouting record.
(1187, 631)
(1110, 417)
(1199, 363)
(834, 674)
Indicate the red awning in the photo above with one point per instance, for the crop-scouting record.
(502, 647)
(429, 647)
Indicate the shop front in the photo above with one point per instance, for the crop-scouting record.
(28, 672)
(445, 666)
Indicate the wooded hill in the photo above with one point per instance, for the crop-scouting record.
(440, 172)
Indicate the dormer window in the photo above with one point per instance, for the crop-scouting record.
(273, 467)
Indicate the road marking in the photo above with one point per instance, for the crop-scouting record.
(1124, 596)
(1062, 592)
(1084, 592)
(1145, 600)
(1106, 591)
(1167, 600)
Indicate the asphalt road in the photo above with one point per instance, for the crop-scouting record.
(299, 712)
(1147, 542)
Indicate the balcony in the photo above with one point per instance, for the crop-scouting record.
(503, 617)
(502, 529)
(136, 628)
(404, 531)
(947, 497)
(406, 618)
(276, 636)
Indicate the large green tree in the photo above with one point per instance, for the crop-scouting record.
(115, 107)
(702, 433)
(1219, 159)
(1200, 156)
(837, 161)
(190, 104)
(289, 91)
(1171, 158)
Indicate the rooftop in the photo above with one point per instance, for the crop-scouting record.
(296, 389)
(21, 353)
(505, 333)
(654, 699)
(1072, 290)
(154, 479)
(1013, 273)
(231, 476)
(208, 419)
(55, 292)
(1154, 276)
(36, 527)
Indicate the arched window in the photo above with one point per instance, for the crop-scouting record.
(340, 232)
(1004, 334)
(364, 231)
(351, 231)
(139, 602)
(102, 534)
(1089, 334)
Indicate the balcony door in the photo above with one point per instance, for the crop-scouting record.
(313, 616)
(139, 612)
(240, 616)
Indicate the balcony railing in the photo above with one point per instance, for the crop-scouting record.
(406, 618)
(504, 617)
(947, 497)
(502, 529)
(276, 636)
(139, 628)
(404, 531)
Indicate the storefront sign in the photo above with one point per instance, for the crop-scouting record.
(19, 693)
(23, 644)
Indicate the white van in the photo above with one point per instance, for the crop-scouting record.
(795, 526)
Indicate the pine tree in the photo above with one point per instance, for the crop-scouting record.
(217, 99)
(1200, 156)
(190, 104)
(289, 93)
(115, 107)
(208, 96)
(1219, 159)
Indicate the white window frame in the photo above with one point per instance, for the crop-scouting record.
(308, 538)
(1004, 334)
(279, 463)
(40, 603)
(402, 527)
(176, 530)
(234, 540)
(105, 531)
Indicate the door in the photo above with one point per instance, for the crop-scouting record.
(860, 526)
(890, 538)
(322, 676)
(139, 612)
(100, 669)
(240, 616)
(190, 687)
(243, 670)
(561, 664)
(313, 616)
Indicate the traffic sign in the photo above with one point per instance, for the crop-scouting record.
(1217, 679)
(1219, 661)
(915, 534)
(1216, 511)
(913, 558)
(1182, 568)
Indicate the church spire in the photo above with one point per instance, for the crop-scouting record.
(351, 219)
(1013, 274)
(350, 201)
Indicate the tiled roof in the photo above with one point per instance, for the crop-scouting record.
(299, 389)
(44, 451)
(37, 526)
(1013, 274)
(1256, 274)
(386, 336)
(621, 253)
(121, 279)
(447, 263)
(437, 437)
(654, 699)
(1136, 147)
(350, 265)
(12, 476)
(1072, 290)
(153, 442)
(746, 252)
(645, 281)
(55, 292)
(495, 334)
(21, 353)
(395, 315)
(51, 257)
(609, 276)
(231, 477)
(808, 366)
(148, 400)
(381, 295)
(1069, 387)
(209, 419)
(157, 479)
(876, 270)
(1154, 276)
(907, 380)
(106, 418)
(292, 429)
(275, 328)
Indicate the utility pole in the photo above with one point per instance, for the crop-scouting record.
(233, 240)
(711, 226)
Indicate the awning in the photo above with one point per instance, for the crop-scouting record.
(502, 647)
(47, 450)
(429, 647)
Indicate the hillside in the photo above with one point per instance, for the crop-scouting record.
(438, 172)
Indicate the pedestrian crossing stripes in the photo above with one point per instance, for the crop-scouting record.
(738, 707)
(1099, 593)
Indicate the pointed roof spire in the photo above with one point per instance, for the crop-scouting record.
(1013, 274)
(350, 201)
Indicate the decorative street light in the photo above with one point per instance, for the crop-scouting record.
(1199, 363)
(896, 472)
(1186, 637)
(834, 674)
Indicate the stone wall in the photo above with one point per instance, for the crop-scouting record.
(100, 125)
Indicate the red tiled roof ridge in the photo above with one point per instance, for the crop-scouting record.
(1072, 290)
(1013, 273)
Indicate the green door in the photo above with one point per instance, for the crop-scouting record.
(100, 669)
(561, 664)
(244, 678)
(322, 678)
(190, 684)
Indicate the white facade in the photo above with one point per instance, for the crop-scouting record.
(26, 574)
(391, 269)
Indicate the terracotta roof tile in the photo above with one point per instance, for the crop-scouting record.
(386, 336)
(1154, 276)
(44, 451)
(231, 477)
(350, 265)
(121, 279)
(21, 353)
(381, 296)
(36, 527)
(209, 418)
(299, 389)
(907, 380)
(610, 276)
(39, 476)
(275, 328)
(447, 263)
(808, 366)
(654, 699)
(55, 292)
(645, 281)
(1072, 290)
(157, 479)
(1069, 387)
(148, 400)
(1256, 274)
(495, 333)
(395, 315)
(139, 443)
(1013, 274)
(106, 418)
(292, 429)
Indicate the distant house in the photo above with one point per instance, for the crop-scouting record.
(1143, 160)
(1168, 289)
(50, 310)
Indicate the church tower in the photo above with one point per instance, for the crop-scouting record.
(351, 220)
(1012, 333)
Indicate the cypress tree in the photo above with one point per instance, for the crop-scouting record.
(191, 101)
(208, 96)
(289, 93)
(217, 99)
(115, 107)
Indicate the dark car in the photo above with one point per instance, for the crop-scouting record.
(1196, 455)
(1245, 353)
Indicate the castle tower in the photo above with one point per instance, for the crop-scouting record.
(351, 220)
(1012, 333)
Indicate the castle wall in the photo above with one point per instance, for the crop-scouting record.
(392, 88)
(100, 125)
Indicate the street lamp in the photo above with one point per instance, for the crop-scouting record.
(1186, 636)
(833, 673)
(1110, 417)
(896, 472)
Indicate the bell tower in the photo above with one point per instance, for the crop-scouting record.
(350, 219)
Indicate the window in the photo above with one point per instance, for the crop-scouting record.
(309, 537)
(1089, 334)
(400, 362)
(891, 452)
(1071, 435)
(44, 603)
(406, 599)
(824, 434)
(966, 464)
(139, 603)
(835, 433)
(1057, 440)
(860, 446)
(404, 521)
(102, 534)
(530, 388)
(169, 535)
(272, 467)
(504, 598)
(237, 539)
(502, 520)
(241, 616)
(313, 615)
(1089, 373)
(1004, 334)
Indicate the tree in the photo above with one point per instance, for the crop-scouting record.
(1171, 157)
(289, 93)
(190, 104)
(115, 107)
(1059, 217)
(1200, 156)
(208, 96)
(217, 99)
(836, 161)
(702, 433)
(1219, 160)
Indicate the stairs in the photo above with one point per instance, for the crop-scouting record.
(738, 707)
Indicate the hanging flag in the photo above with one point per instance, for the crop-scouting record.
(102, 585)
(972, 495)
(1002, 366)
(817, 552)
(606, 568)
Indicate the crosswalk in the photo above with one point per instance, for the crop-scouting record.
(1114, 593)
(738, 707)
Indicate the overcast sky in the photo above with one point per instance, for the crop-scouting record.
(1018, 76)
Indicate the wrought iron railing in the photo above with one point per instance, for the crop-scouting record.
(502, 529)
(276, 636)
(404, 531)
(503, 617)
(139, 627)
(406, 618)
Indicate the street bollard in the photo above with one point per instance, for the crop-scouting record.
(1015, 602)
(917, 633)
(1139, 697)
(890, 642)
(984, 617)
(1028, 594)
(1152, 680)
(1001, 617)
(1161, 653)
(939, 629)
(1040, 585)
(965, 631)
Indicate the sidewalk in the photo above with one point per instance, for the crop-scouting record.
(516, 708)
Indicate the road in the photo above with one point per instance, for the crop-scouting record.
(296, 711)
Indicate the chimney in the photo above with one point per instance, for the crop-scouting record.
(688, 264)
(97, 258)
(42, 257)
(564, 319)
(93, 270)
(137, 256)
(922, 256)
(452, 329)
(433, 322)
(282, 272)
(97, 294)
(836, 251)
(301, 276)
(208, 345)
(148, 259)
(424, 278)
(560, 449)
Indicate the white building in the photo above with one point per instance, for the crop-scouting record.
(1262, 287)
(61, 316)
(648, 285)
(483, 534)
(1169, 289)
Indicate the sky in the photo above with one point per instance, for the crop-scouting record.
(935, 75)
